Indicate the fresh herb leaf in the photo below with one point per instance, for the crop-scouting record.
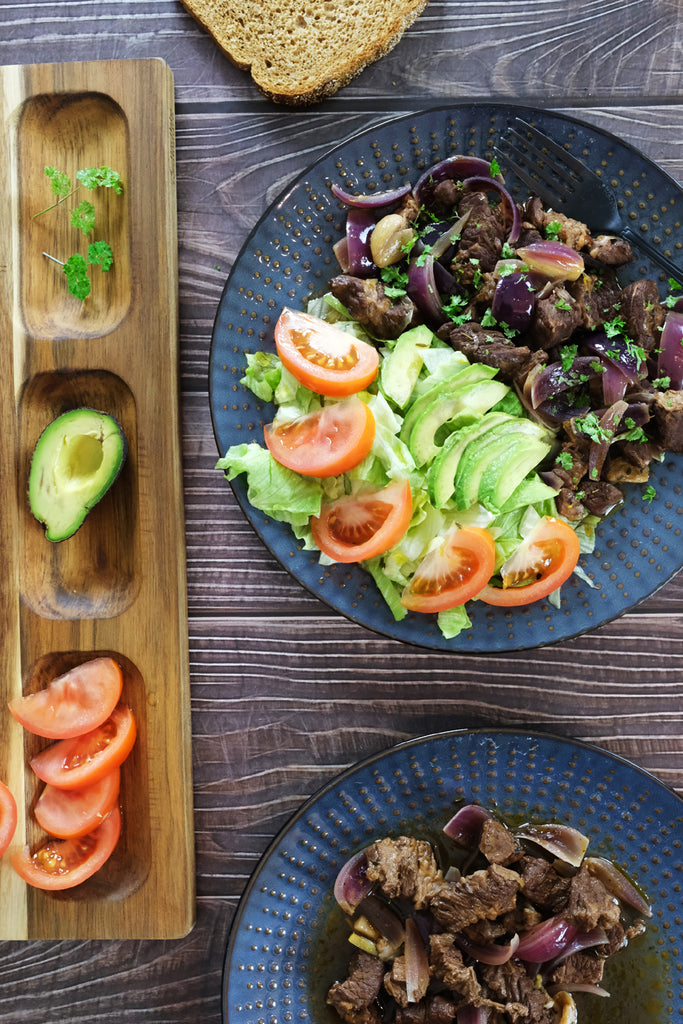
(552, 230)
(649, 494)
(100, 177)
(100, 254)
(59, 181)
(494, 168)
(563, 304)
(76, 270)
(83, 217)
(565, 460)
(664, 383)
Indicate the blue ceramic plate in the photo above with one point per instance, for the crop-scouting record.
(289, 257)
(288, 939)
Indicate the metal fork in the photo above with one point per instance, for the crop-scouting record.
(566, 185)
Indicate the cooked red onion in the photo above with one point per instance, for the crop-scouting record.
(417, 964)
(445, 240)
(670, 362)
(553, 259)
(619, 884)
(608, 426)
(472, 1015)
(422, 288)
(552, 380)
(493, 954)
(514, 301)
(545, 941)
(341, 251)
(351, 884)
(371, 201)
(614, 382)
(455, 168)
(359, 227)
(594, 990)
(581, 941)
(465, 826)
(615, 350)
(480, 184)
(383, 918)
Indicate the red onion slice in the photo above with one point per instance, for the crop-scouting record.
(417, 964)
(472, 1015)
(455, 168)
(562, 841)
(493, 954)
(553, 259)
(670, 362)
(383, 918)
(371, 201)
(445, 239)
(514, 301)
(619, 884)
(341, 251)
(581, 941)
(351, 884)
(615, 350)
(479, 184)
(614, 383)
(594, 990)
(422, 288)
(546, 940)
(608, 426)
(359, 226)
(465, 826)
(552, 380)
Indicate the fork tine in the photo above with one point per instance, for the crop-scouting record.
(541, 157)
(529, 180)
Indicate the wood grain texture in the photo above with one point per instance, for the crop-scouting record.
(284, 693)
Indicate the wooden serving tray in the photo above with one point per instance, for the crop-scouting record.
(118, 586)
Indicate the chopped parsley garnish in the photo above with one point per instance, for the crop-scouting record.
(552, 230)
(663, 383)
(568, 355)
(649, 494)
(590, 426)
(494, 168)
(565, 460)
(563, 304)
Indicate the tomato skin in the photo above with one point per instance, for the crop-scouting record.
(8, 817)
(71, 813)
(73, 703)
(324, 443)
(362, 526)
(64, 863)
(453, 573)
(82, 760)
(322, 357)
(548, 557)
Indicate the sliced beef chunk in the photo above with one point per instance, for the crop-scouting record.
(643, 313)
(595, 297)
(571, 232)
(668, 414)
(569, 505)
(555, 319)
(579, 969)
(600, 497)
(403, 867)
(438, 1009)
(368, 303)
(354, 998)
(629, 461)
(497, 843)
(445, 197)
(481, 242)
(492, 348)
(510, 984)
(447, 966)
(543, 886)
(611, 250)
(590, 904)
(483, 894)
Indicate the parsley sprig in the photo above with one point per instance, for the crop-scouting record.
(99, 253)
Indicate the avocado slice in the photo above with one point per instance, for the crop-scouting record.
(488, 465)
(460, 406)
(441, 479)
(469, 373)
(76, 460)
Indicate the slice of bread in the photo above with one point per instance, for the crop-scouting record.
(300, 51)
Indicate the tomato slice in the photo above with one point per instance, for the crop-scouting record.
(453, 573)
(362, 526)
(541, 564)
(83, 760)
(322, 357)
(8, 817)
(63, 863)
(74, 703)
(70, 813)
(324, 443)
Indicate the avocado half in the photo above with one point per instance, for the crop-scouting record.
(76, 460)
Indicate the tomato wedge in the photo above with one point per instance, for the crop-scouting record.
(8, 817)
(362, 526)
(541, 564)
(74, 703)
(322, 357)
(70, 813)
(83, 760)
(324, 443)
(63, 863)
(453, 573)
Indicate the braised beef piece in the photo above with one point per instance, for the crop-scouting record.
(446, 964)
(483, 894)
(404, 868)
(600, 497)
(482, 238)
(569, 505)
(510, 983)
(555, 319)
(668, 414)
(368, 303)
(643, 313)
(578, 969)
(595, 298)
(573, 233)
(590, 903)
(497, 843)
(482, 345)
(543, 886)
(438, 1009)
(354, 998)
(395, 983)
(629, 461)
(445, 197)
(611, 250)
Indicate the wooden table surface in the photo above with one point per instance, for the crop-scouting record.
(286, 693)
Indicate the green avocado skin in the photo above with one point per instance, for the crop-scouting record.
(76, 460)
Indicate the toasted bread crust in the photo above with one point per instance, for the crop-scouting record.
(300, 51)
